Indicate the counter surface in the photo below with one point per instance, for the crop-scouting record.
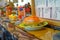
(47, 33)
(44, 34)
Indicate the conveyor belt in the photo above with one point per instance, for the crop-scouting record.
(5, 35)
(20, 34)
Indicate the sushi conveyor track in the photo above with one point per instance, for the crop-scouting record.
(12, 33)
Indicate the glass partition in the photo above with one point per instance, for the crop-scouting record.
(48, 9)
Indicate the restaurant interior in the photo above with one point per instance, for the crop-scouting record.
(29, 20)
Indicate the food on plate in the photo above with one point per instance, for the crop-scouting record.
(33, 23)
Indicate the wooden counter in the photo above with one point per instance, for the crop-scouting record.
(47, 33)
(44, 34)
